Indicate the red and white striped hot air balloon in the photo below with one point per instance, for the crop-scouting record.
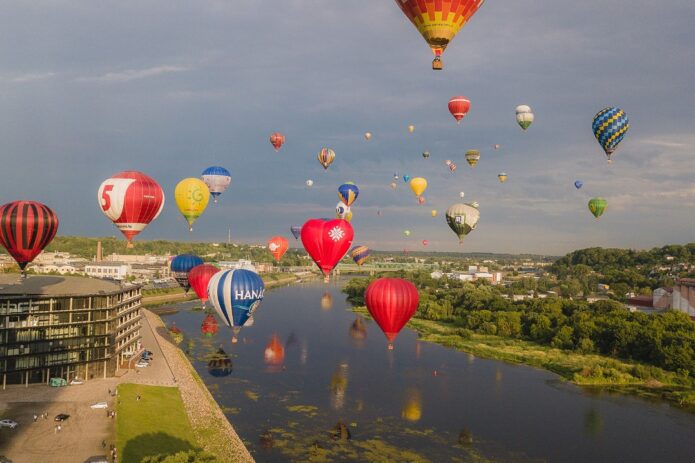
(459, 106)
(131, 200)
(277, 140)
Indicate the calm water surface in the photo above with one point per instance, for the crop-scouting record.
(309, 382)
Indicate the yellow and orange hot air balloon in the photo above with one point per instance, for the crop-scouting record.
(439, 21)
(418, 185)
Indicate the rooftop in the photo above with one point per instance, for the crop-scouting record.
(11, 284)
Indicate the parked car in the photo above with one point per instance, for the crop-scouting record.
(8, 424)
(148, 353)
(99, 405)
(76, 381)
(142, 364)
(61, 417)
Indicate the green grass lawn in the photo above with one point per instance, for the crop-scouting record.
(156, 424)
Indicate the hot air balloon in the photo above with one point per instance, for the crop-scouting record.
(217, 179)
(209, 326)
(395, 176)
(326, 157)
(235, 294)
(496, 146)
(426, 154)
(452, 167)
(220, 365)
(277, 140)
(597, 206)
(192, 196)
(458, 107)
(610, 126)
(295, 231)
(578, 184)
(181, 265)
(131, 200)
(425, 242)
(326, 301)
(274, 353)
(359, 254)
(472, 156)
(327, 241)
(421, 200)
(26, 228)
(439, 21)
(277, 246)
(309, 183)
(418, 185)
(343, 212)
(462, 194)
(411, 128)
(524, 116)
(462, 219)
(348, 193)
(368, 136)
(406, 232)
(502, 177)
(434, 212)
(391, 303)
(198, 279)
(393, 185)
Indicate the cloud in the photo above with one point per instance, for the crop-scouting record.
(28, 77)
(134, 74)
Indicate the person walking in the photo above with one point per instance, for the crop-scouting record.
(36, 417)
(59, 428)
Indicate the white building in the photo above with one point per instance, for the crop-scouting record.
(236, 264)
(147, 259)
(684, 296)
(114, 271)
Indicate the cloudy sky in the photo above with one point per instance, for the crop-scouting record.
(88, 89)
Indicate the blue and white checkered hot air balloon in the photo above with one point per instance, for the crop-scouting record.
(610, 126)
(217, 179)
(235, 294)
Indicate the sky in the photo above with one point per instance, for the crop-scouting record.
(89, 89)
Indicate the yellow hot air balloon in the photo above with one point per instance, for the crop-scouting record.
(192, 196)
(411, 128)
(502, 177)
(418, 185)
(434, 212)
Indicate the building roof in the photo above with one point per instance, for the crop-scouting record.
(11, 284)
(641, 301)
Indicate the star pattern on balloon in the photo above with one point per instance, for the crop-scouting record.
(336, 234)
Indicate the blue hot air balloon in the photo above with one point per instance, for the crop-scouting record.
(235, 294)
(348, 193)
(181, 265)
(406, 178)
(578, 184)
(610, 126)
(296, 231)
(217, 179)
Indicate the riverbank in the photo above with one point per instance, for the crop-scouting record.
(586, 370)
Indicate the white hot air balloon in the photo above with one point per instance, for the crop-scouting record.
(524, 116)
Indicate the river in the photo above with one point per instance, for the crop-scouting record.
(309, 381)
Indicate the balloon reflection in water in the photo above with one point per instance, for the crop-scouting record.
(341, 431)
(339, 382)
(412, 410)
(209, 327)
(326, 301)
(274, 354)
(465, 437)
(220, 365)
(358, 330)
(176, 333)
(266, 439)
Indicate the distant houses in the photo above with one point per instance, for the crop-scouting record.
(474, 273)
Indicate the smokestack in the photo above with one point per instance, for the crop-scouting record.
(100, 256)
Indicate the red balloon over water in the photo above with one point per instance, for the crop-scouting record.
(26, 227)
(391, 302)
(199, 277)
(327, 241)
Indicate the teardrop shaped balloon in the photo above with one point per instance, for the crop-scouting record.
(277, 246)
(426, 154)
(393, 185)
(406, 178)
(326, 157)
(496, 146)
(343, 212)
(131, 200)
(597, 206)
(421, 200)
(235, 295)
(418, 185)
(391, 302)
(461, 194)
(439, 21)
(309, 183)
(452, 167)
(26, 228)
(406, 232)
(434, 212)
(359, 254)
(192, 196)
(327, 241)
(459, 106)
(217, 179)
(425, 242)
(462, 219)
(411, 128)
(524, 116)
(502, 177)
(610, 126)
(181, 266)
(368, 136)
(348, 193)
(277, 140)
(198, 279)
(296, 230)
(578, 184)
(472, 157)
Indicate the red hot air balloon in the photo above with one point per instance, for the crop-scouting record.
(391, 302)
(26, 227)
(327, 241)
(131, 200)
(277, 140)
(425, 242)
(459, 106)
(199, 277)
(277, 246)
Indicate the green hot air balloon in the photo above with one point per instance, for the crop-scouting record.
(462, 219)
(597, 206)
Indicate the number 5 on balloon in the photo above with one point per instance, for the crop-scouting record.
(106, 197)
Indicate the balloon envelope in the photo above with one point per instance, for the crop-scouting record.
(391, 302)
(277, 246)
(462, 218)
(459, 106)
(578, 184)
(327, 241)
(192, 196)
(326, 157)
(426, 154)
(296, 230)
(277, 140)
(524, 116)
(359, 254)
(217, 179)
(348, 193)
(235, 294)
(309, 183)
(502, 177)
(199, 277)
(610, 126)
(26, 228)
(180, 267)
(418, 185)
(597, 206)
(472, 157)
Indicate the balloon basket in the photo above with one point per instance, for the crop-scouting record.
(390, 346)
(437, 64)
(235, 340)
(130, 245)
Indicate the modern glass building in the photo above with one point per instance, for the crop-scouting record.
(65, 327)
